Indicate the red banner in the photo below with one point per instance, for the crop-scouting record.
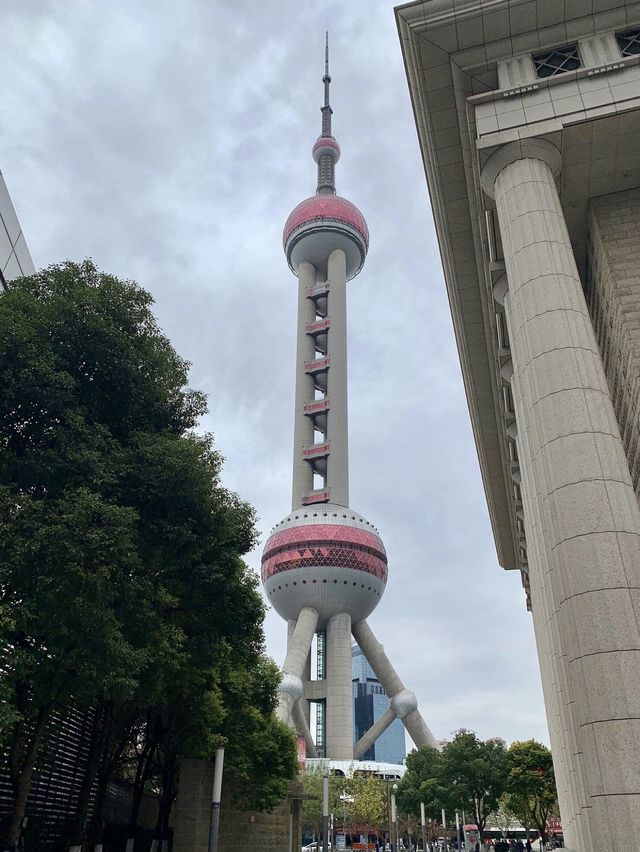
(301, 747)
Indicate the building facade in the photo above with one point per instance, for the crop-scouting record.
(528, 116)
(15, 259)
(370, 703)
(324, 567)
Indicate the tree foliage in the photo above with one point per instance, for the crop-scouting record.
(467, 775)
(422, 783)
(122, 587)
(354, 801)
(474, 773)
(531, 786)
(485, 779)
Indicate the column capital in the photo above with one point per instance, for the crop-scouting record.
(523, 149)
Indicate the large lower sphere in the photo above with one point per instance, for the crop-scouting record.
(326, 557)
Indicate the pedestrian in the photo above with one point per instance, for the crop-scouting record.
(519, 845)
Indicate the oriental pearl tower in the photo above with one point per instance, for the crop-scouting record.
(324, 567)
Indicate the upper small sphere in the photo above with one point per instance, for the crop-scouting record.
(326, 145)
(321, 224)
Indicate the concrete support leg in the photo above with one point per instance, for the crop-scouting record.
(377, 729)
(290, 689)
(583, 497)
(339, 689)
(403, 702)
(302, 727)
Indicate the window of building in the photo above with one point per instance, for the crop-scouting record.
(557, 61)
(629, 42)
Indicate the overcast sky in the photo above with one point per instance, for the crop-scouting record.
(169, 141)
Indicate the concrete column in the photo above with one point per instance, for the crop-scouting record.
(337, 422)
(339, 690)
(290, 689)
(302, 425)
(584, 494)
(403, 702)
(567, 756)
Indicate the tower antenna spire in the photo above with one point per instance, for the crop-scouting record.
(326, 55)
(326, 109)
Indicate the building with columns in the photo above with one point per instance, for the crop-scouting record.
(324, 567)
(528, 117)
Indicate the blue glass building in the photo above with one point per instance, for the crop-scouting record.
(369, 703)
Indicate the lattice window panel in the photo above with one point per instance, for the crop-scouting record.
(557, 61)
(629, 42)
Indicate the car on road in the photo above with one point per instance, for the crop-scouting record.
(316, 846)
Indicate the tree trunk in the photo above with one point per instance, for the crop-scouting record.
(95, 749)
(143, 772)
(111, 754)
(22, 783)
(169, 773)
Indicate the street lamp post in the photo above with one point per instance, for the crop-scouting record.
(214, 824)
(325, 813)
(423, 825)
(394, 819)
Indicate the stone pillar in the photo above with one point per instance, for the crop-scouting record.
(337, 421)
(567, 755)
(339, 689)
(584, 499)
(302, 425)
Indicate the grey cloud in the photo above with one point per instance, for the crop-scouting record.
(170, 141)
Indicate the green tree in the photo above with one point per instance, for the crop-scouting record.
(503, 817)
(312, 807)
(531, 785)
(120, 556)
(422, 783)
(474, 774)
(369, 806)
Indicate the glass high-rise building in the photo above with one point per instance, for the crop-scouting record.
(370, 701)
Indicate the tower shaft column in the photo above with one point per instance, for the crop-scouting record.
(337, 422)
(339, 689)
(302, 425)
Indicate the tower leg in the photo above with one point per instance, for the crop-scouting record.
(290, 689)
(376, 730)
(403, 702)
(302, 727)
(339, 689)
